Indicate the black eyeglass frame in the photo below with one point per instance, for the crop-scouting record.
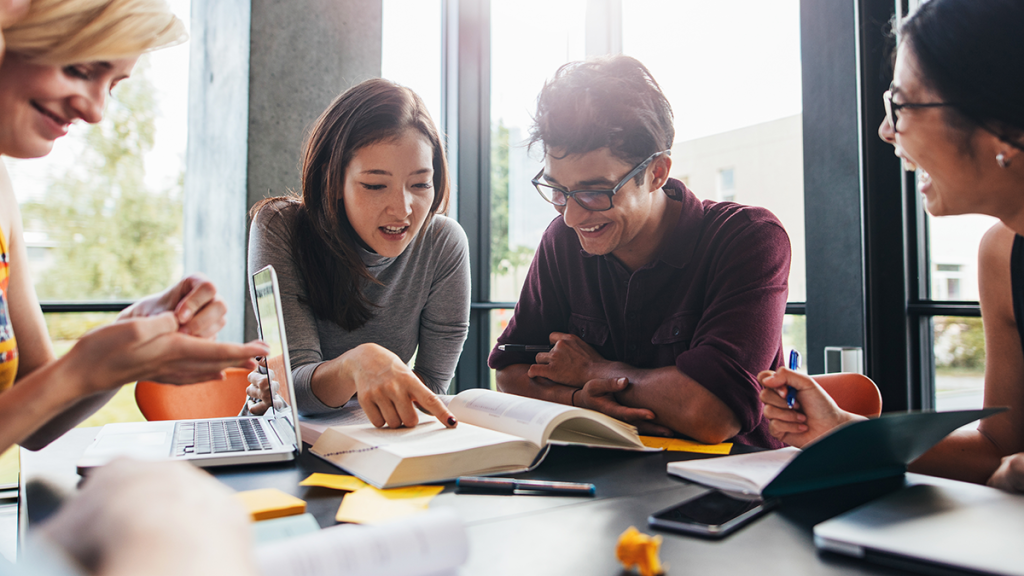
(540, 186)
(892, 108)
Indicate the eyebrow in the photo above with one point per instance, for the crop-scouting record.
(379, 172)
(584, 184)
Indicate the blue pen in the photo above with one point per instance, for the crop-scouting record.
(794, 363)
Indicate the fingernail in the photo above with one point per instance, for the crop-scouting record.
(622, 381)
(452, 421)
(185, 315)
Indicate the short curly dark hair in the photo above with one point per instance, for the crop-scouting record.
(611, 102)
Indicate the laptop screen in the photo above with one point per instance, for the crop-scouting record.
(283, 413)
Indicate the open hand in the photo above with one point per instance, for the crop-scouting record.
(571, 361)
(152, 348)
(813, 414)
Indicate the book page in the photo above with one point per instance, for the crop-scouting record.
(349, 414)
(430, 544)
(517, 415)
(747, 473)
(427, 437)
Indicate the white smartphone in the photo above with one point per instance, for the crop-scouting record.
(713, 514)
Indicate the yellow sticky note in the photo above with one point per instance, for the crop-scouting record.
(370, 505)
(268, 503)
(680, 445)
(334, 482)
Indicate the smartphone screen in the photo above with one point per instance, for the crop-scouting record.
(712, 514)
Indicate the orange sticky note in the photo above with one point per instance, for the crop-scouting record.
(268, 503)
(334, 482)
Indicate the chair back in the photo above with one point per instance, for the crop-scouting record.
(852, 392)
(211, 399)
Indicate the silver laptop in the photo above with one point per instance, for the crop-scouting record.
(246, 439)
(937, 526)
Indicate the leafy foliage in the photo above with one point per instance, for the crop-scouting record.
(114, 238)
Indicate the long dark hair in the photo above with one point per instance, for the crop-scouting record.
(971, 53)
(325, 244)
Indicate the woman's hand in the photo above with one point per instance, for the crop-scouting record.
(153, 518)
(193, 300)
(388, 389)
(1010, 474)
(263, 390)
(153, 348)
(813, 414)
(571, 361)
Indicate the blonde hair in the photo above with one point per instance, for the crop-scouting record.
(62, 32)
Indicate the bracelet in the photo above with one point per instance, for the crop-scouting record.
(572, 399)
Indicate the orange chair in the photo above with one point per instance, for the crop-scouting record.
(852, 392)
(213, 399)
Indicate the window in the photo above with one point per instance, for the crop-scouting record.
(411, 48)
(726, 185)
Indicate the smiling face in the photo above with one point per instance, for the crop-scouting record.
(632, 229)
(39, 102)
(957, 172)
(389, 188)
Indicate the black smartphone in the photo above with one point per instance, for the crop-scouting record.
(713, 514)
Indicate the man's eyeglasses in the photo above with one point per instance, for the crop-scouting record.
(593, 200)
(892, 110)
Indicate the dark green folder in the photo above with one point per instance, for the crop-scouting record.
(868, 450)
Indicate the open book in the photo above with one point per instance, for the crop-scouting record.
(497, 433)
(856, 452)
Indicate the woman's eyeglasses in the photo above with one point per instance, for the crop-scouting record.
(892, 109)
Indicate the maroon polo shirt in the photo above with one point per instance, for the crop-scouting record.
(711, 303)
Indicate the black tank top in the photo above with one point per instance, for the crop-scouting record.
(1017, 283)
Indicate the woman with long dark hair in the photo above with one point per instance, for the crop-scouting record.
(371, 270)
(955, 113)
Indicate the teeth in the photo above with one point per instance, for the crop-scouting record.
(909, 165)
(923, 178)
(590, 229)
(394, 229)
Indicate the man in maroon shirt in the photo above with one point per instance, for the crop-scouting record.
(660, 308)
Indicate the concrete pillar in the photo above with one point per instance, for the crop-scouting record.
(261, 72)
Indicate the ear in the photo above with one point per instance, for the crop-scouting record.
(660, 169)
(1011, 143)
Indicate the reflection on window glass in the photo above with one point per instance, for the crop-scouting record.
(102, 212)
(411, 48)
(518, 70)
(959, 363)
(732, 73)
(953, 255)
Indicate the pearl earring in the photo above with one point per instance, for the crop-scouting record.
(1001, 160)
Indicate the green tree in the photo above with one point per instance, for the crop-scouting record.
(115, 239)
(504, 258)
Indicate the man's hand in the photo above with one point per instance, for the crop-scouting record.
(197, 307)
(571, 361)
(599, 395)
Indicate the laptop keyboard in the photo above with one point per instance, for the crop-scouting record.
(219, 436)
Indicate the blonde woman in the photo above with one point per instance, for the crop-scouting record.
(63, 58)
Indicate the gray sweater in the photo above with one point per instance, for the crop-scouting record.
(424, 302)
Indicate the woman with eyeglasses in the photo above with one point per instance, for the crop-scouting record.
(955, 114)
(371, 271)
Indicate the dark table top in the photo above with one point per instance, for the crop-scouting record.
(550, 534)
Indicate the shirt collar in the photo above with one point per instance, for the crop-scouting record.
(682, 238)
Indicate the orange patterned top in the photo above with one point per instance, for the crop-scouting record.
(8, 345)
